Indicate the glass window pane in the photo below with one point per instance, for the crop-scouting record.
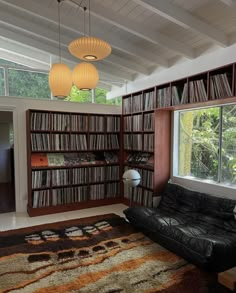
(198, 143)
(28, 84)
(229, 145)
(2, 82)
(77, 95)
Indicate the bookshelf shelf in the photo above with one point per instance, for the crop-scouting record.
(73, 160)
(70, 207)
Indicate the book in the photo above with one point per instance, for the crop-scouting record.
(39, 160)
(56, 159)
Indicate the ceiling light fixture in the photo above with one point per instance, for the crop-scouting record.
(85, 76)
(59, 77)
(87, 47)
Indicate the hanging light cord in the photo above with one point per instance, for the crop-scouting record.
(89, 21)
(84, 20)
(78, 4)
(59, 31)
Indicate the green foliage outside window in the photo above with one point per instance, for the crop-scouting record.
(25, 83)
(86, 97)
(207, 144)
(2, 82)
(28, 84)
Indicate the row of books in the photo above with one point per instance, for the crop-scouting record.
(139, 195)
(96, 123)
(128, 123)
(147, 178)
(133, 104)
(148, 142)
(113, 190)
(41, 179)
(139, 122)
(61, 122)
(148, 122)
(141, 158)
(139, 102)
(59, 177)
(71, 195)
(73, 122)
(79, 123)
(149, 101)
(219, 87)
(72, 159)
(97, 191)
(135, 142)
(113, 123)
(191, 92)
(66, 142)
(163, 97)
(101, 141)
(39, 121)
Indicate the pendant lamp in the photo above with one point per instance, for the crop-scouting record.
(59, 78)
(89, 48)
(85, 76)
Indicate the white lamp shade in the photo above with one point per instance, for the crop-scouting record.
(85, 76)
(89, 48)
(131, 178)
(60, 80)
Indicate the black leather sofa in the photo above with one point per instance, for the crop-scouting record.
(199, 227)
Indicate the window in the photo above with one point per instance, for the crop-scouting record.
(205, 147)
(24, 83)
(2, 82)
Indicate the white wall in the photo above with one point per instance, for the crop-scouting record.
(19, 107)
(180, 69)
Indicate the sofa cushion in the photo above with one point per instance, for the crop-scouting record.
(183, 200)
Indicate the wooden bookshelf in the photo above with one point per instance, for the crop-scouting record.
(73, 161)
(138, 143)
(209, 88)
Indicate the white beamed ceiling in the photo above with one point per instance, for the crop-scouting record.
(145, 34)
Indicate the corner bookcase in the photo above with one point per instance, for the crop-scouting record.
(146, 117)
(142, 139)
(73, 161)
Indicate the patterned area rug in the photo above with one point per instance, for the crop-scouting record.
(101, 254)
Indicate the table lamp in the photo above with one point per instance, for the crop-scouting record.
(131, 178)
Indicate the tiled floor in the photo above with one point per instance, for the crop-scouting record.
(11, 221)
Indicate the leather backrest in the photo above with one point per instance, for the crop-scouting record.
(180, 199)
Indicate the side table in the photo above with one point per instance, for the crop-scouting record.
(228, 278)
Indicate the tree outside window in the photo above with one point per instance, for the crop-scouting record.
(207, 144)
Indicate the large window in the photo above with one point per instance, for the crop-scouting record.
(205, 147)
(24, 83)
(20, 81)
(2, 82)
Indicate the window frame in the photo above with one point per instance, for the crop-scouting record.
(191, 181)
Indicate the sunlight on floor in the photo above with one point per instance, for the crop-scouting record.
(11, 221)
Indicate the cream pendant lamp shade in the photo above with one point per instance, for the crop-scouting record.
(60, 80)
(85, 76)
(89, 48)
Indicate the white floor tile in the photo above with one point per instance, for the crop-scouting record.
(11, 221)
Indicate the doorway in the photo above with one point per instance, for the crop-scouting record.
(7, 180)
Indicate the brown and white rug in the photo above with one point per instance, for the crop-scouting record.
(102, 254)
